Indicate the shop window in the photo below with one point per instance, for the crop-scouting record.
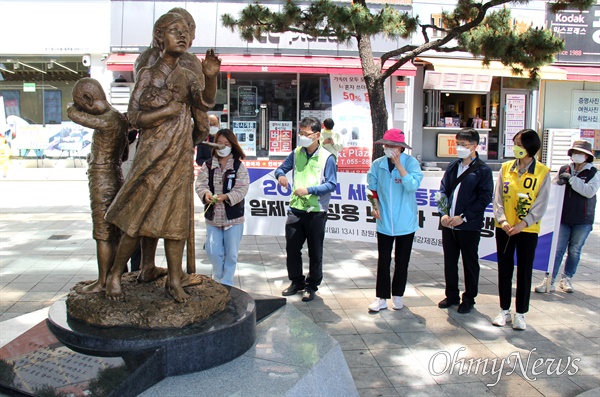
(456, 109)
(12, 102)
(52, 107)
(315, 92)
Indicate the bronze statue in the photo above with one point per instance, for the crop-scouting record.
(201, 125)
(155, 199)
(108, 150)
(188, 61)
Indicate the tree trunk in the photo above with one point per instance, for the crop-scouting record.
(379, 115)
(372, 74)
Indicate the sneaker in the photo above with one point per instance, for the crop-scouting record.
(377, 305)
(502, 318)
(566, 285)
(542, 287)
(397, 302)
(519, 323)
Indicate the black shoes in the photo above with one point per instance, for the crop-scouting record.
(308, 294)
(446, 303)
(293, 289)
(465, 307)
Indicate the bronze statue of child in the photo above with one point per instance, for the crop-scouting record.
(155, 200)
(108, 150)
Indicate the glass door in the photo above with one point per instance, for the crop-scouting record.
(263, 112)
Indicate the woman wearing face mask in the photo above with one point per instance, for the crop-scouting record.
(520, 201)
(579, 206)
(222, 185)
(393, 180)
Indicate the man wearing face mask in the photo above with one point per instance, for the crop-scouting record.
(581, 183)
(393, 180)
(468, 186)
(204, 153)
(315, 178)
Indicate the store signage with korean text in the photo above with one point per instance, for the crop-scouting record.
(585, 109)
(581, 32)
(457, 81)
(247, 101)
(351, 113)
(349, 216)
(280, 137)
(245, 131)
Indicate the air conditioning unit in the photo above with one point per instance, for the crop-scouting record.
(555, 144)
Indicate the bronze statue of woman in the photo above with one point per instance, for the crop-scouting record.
(155, 198)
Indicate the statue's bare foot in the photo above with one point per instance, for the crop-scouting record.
(150, 274)
(188, 280)
(177, 294)
(113, 288)
(93, 288)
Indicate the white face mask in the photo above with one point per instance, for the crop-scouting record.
(462, 152)
(213, 130)
(389, 152)
(304, 141)
(578, 158)
(224, 152)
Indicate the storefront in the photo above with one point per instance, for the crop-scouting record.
(570, 109)
(461, 93)
(50, 48)
(268, 85)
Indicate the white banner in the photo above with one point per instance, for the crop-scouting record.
(351, 113)
(349, 216)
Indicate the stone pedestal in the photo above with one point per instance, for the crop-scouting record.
(223, 337)
(290, 356)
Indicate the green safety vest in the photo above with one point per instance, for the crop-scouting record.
(308, 173)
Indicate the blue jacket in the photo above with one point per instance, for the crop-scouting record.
(474, 194)
(397, 195)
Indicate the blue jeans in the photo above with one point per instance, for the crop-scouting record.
(572, 237)
(222, 247)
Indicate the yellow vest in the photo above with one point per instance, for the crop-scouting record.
(518, 194)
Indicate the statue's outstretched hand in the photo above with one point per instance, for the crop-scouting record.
(211, 64)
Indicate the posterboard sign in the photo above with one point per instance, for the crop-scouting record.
(350, 217)
(280, 137)
(482, 149)
(247, 97)
(515, 120)
(446, 145)
(245, 131)
(34, 136)
(351, 113)
(585, 109)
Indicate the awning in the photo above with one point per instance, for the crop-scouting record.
(496, 68)
(582, 73)
(271, 63)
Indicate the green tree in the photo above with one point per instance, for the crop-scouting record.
(474, 26)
